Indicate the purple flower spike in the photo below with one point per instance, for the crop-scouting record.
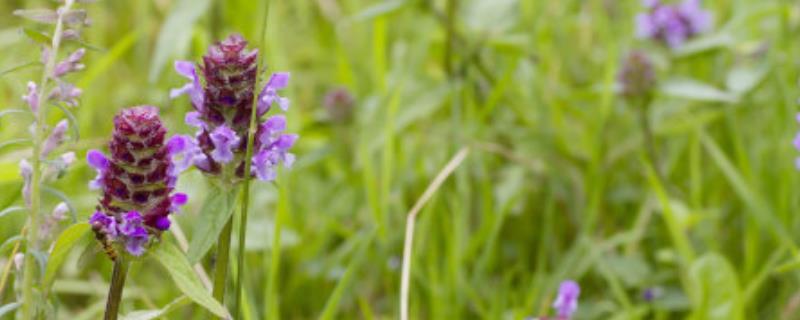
(224, 139)
(567, 300)
(32, 98)
(137, 180)
(672, 24)
(230, 73)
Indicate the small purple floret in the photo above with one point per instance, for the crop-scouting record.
(567, 300)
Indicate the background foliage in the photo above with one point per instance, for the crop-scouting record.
(555, 185)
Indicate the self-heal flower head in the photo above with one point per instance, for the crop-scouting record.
(223, 103)
(137, 181)
(566, 302)
(672, 24)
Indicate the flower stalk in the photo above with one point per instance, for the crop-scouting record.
(115, 290)
(28, 305)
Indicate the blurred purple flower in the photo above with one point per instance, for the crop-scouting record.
(26, 171)
(67, 93)
(339, 104)
(567, 300)
(70, 64)
(32, 98)
(222, 112)
(56, 137)
(672, 24)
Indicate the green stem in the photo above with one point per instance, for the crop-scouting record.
(649, 140)
(242, 228)
(223, 258)
(36, 200)
(115, 290)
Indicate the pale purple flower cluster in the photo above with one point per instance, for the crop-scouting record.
(567, 300)
(223, 105)
(672, 24)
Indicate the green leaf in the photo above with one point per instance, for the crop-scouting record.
(705, 43)
(76, 234)
(6, 244)
(154, 314)
(379, 9)
(38, 15)
(350, 274)
(714, 289)
(13, 111)
(12, 210)
(176, 33)
(742, 79)
(37, 36)
(216, 211)
(8, 308)
(181, 272)
(19, 67)
(695, 90)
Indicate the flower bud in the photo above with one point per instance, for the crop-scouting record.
(339, 105)
(637, 77)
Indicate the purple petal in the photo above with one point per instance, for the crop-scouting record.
(286, 141)
(97, 160)
(567, 300)
(186, 69)
(193, 119)
(269, 95)
(193, 89)
(163, 223)
(224, 140)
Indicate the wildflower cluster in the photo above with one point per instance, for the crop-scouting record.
(223, 105)
(137, 181)
(672, 24)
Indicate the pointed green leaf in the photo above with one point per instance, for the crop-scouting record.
(695, 90)
(37, 36)
(8, 308)
(38, 15)
(213, 216)
(714, 289)
(76, 234)
(158, 313)
(742, 79)
(176, 32)
(181, 272)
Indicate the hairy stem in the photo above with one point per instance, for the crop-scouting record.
(242, 228)
(115, 290)
(222, 261)
(649, 140)
(28, 303)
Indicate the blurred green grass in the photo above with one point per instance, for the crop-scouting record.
(555, 186)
